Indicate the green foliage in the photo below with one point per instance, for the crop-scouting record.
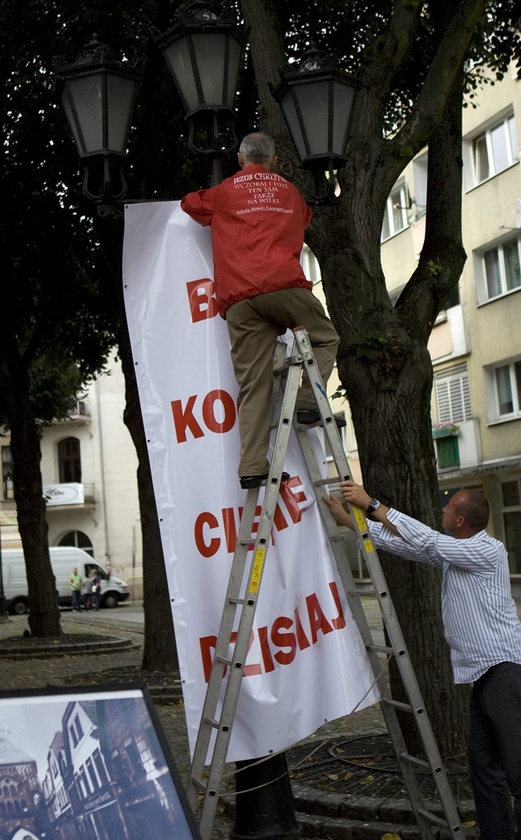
(434, 268)
(368, 345)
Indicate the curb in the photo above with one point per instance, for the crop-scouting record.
(46, 650)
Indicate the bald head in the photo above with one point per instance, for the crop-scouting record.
(474, 507)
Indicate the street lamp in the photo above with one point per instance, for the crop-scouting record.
(316, 97)
(98, 95)
(204, 54)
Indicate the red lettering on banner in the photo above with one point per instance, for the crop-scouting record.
(291, 498)
(226, 524)
(203, 304)
(302, 639)
(229, 412)
(281, 643)
(317, 619)
(340, 621)
(184, 419)
(206, 549)
(284, 640)
(215, 420)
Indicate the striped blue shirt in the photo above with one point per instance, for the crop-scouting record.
(479, 614)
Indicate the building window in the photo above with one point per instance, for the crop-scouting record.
(7, 473)
(500, 270)
(79, 540)
(447, 452)
(453, 394)
(395, 216)
(69, 461)
(508, 390)
(494, 150)
(511, 492)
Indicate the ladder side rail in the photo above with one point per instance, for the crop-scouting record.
(221, 651)
(247, 615)
(245, 544)
(388, 712)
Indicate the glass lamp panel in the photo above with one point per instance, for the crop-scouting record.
(210, 51)
(86, 115)
(289, 109)
(234, 67)
(343, 96)
(313, 99)
(178, 58)
(120, 100)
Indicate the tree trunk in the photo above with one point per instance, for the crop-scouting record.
(44, 615)
(160, 652)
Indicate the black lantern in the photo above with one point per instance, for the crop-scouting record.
(204, 54)
(98, 94)
(316, 97)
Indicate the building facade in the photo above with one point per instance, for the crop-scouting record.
(89, 466)
(475, 344)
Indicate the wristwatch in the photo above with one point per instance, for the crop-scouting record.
(374, 504)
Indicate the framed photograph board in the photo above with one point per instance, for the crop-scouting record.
(88, 764)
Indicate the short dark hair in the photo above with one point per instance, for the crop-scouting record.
(257, 148)
(474, 507)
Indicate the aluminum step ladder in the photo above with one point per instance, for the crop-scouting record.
(241, 601)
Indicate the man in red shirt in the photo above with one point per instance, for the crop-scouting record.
(258, 220)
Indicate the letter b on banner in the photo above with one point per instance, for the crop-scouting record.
(203, 304)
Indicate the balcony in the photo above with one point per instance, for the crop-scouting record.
(458, 446)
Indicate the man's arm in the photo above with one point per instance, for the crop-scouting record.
(199, 205)
(356, 495)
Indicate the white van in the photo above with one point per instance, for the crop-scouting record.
(63, 560)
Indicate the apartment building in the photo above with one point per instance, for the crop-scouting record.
(476, 342)
(89, 466)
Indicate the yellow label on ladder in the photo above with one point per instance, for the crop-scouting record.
(256, 572)
(362, 525)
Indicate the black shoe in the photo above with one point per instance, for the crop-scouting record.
(248, 482)
(308, 416)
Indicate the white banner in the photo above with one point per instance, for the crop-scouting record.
(307, 663)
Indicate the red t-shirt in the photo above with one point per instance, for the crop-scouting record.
(258, 219)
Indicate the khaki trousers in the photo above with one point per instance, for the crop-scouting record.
(254, 325)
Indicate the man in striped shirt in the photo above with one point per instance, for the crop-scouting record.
(482, 629)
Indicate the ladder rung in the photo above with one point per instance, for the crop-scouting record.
(435, 820)
(199, 783)
(381, 649)
(237, 601)
(322, 482)
(223, 660)
(396, 704)
(413, 759)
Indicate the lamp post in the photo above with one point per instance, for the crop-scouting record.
(97, 94)
(204, 53)
(316, 97)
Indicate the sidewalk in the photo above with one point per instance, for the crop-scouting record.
(328, 770)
